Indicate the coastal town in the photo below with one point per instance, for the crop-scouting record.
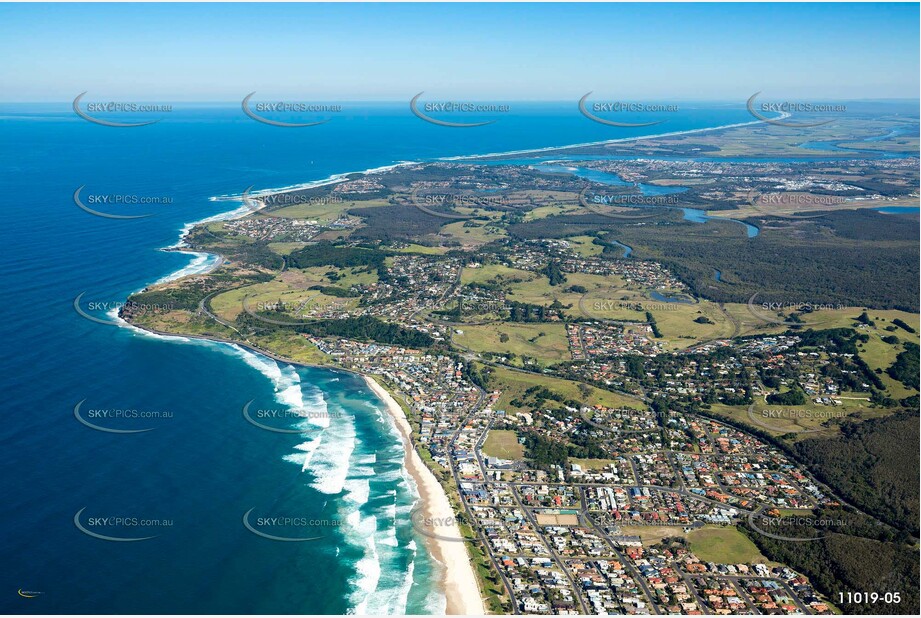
(562, 540)
(610, 439)
(389, 309)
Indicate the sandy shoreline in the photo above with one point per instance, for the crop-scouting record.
(462, 593)
(617, 140)
(337, 178)
(460, 584)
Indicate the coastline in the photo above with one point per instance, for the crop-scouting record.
(460, 584)
(313, 184)
(244, 210)
(617, 140)
(341, 177)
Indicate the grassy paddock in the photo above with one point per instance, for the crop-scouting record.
(504, 444)
(723, 545)
(544, 341)
(513, 384)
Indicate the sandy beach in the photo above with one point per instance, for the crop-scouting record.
(460, 584)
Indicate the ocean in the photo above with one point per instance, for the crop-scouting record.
(201, 472)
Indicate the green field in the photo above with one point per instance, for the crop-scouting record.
(472, 236)
(583, 245)
(607, 298)
(723, 546)
(504, 444)
(592, 464)
(323, 210)
(547, 211)
(652, 534)
(423, 249)
(805, 421)
(876, 353)
(676, 321)
(513, 384)
(818, 320)
(296, 348)
(490, 272)
(538, 290)
(545, 341)
(551, 203)
(880, 355)
(286, 248)
(291, 288)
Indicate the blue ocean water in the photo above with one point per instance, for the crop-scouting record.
(189, 482)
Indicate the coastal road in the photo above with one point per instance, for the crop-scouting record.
(487, 549)
(203, 308)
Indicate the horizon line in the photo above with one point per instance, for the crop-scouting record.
(489, 100)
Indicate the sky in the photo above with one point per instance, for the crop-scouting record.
(510, 52)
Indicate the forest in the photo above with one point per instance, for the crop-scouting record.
(820, 261)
